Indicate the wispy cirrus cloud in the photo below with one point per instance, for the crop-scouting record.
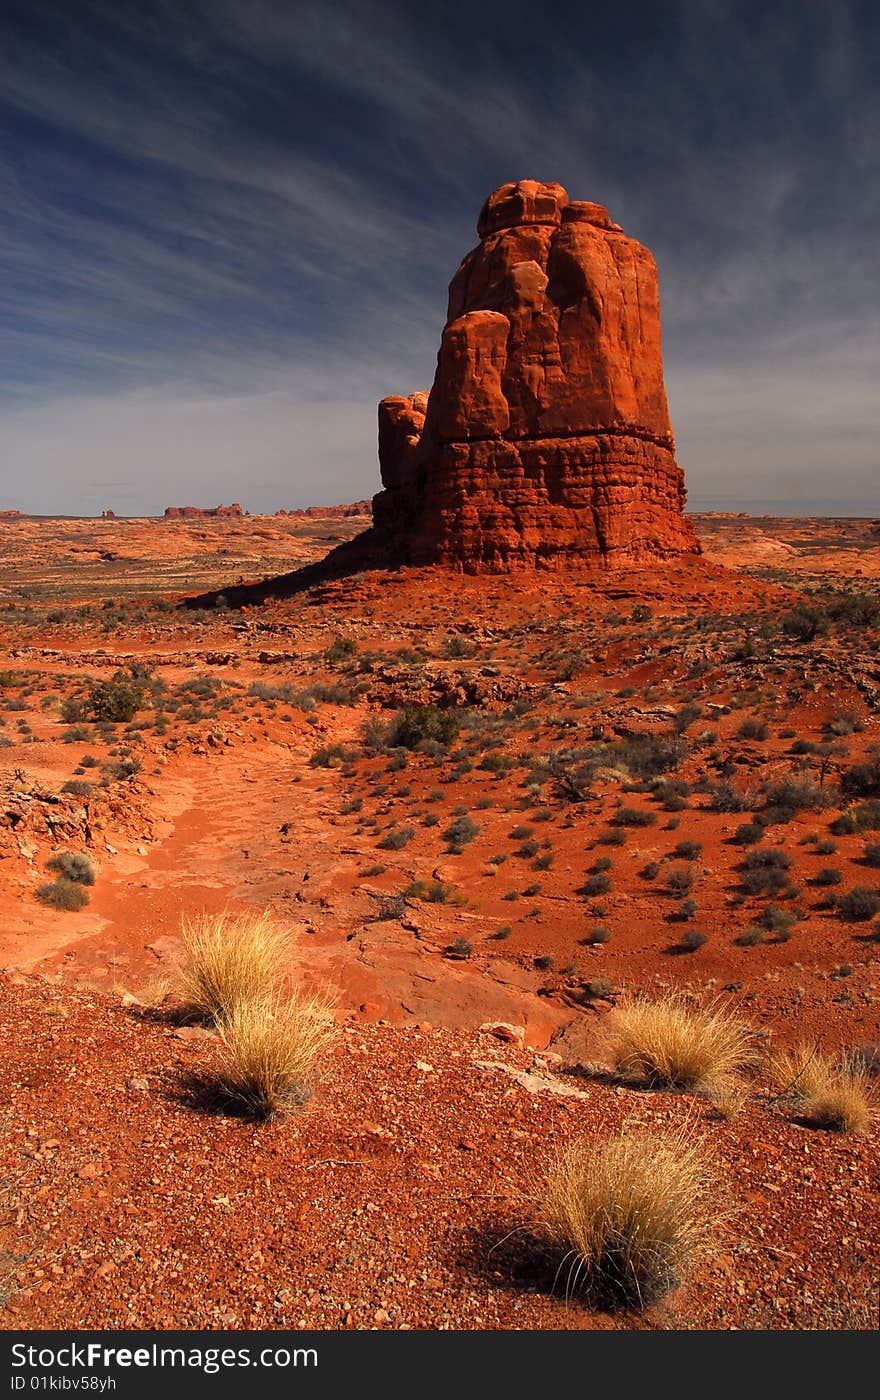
(229, 226)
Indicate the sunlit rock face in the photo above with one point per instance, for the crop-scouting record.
(545, 438)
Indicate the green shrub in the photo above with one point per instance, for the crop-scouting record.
(418, 723)
(751, 937)
(340, 649)
(778, 921)
(725, 798)
(805, 623)
(114, 701)
(332, 756)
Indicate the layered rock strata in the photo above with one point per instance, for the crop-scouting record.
(546, 436)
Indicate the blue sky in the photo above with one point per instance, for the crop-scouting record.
(227, 228)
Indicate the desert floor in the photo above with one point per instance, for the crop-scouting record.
(478, 906)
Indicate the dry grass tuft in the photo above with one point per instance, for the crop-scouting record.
(230, 959)
(663, 1041)
(633, 1213)
(827, 1093)
(271, 1050)
(727, 1097)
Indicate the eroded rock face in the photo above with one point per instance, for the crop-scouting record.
(546, 436)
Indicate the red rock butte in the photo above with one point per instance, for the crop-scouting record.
(545, 440)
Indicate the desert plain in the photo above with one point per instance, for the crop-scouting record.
(645, 779)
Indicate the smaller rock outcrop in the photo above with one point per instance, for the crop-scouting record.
(234, 512)
(343, 512)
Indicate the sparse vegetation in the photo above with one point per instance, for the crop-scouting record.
(230, 959)
(63, 894)
(663, 1041)
(73, 865)
(828, 1093)
(272, 1048)
(631, 1214)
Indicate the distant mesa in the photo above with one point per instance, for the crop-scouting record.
(204, 512)
(10, 514)
(344, 512)
(546, 436)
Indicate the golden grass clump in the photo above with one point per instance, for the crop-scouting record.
(827, 1093)
(663, 1041)
(230, 959)
(271, 1050)
(633, 1213)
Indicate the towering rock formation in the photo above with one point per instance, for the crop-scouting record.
(546, 436)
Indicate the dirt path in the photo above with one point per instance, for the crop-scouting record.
(259, 827)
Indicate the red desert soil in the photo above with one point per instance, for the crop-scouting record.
(703, 695)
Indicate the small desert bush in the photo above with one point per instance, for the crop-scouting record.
(828, 875)
(752, 729)
(680, 879)
(73, 865)
(632, 1214)
(420, 723)
(633, 816)
(692, 940)
(804, 623)
(116, 700)
(827, 1093)
(784, 799)
(765, 872)
(687, 850)
(230, 959)
(865, 816)
(332, 756)
(725, 798)
(599, 883)
(271, 1051)
(858, 904)
(63, 894)
(396, 839)
(460, 832)
(77, 787)
(664, 1041)
(863, 780)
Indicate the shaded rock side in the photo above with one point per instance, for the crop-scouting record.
(546, 436)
